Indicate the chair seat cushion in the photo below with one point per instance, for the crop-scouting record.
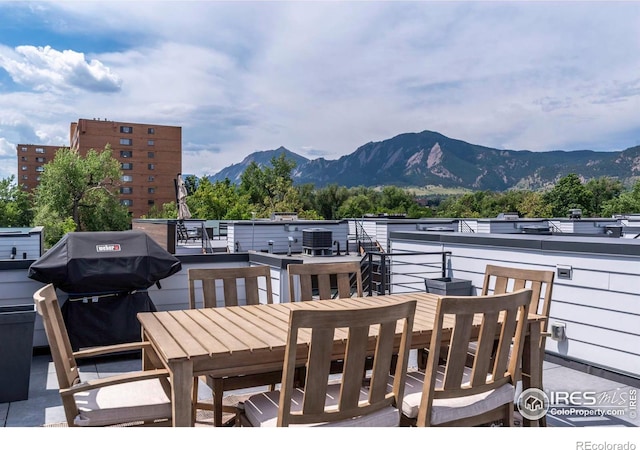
(450, 409)
(136, 401)
(261, 410)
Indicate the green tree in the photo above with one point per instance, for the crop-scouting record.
(82, 189)
(627, 202)
(309, 198)
(533, 205)
(15, 205)
(218, 201)
(167, 211)
(465, 205)
(416, 211)
(567, 194)
(329, 199)
(253, 184)
(395, 200)
(271, 189)
(600, 191)
(356, 206)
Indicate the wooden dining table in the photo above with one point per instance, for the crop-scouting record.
(240, 340)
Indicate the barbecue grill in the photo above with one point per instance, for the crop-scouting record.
(106, 275)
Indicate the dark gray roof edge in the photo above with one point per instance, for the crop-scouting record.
(15, 264)
(267, 259)
(298, 223)
(577, 244)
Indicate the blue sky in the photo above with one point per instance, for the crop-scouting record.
(322, 78)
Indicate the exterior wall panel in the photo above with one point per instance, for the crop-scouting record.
(600, 303)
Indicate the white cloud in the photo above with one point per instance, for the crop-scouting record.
(323, 78)
(45, 68)
(7, 148)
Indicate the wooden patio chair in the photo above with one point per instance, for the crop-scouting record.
(501, 279)
(324, 281)
(450, 393)
(250, 283)
(343, 402)
(134, 398)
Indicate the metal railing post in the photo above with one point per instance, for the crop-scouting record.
(383, 275)
(370, 270)
(444, 264)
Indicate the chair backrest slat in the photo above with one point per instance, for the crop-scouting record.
(238, 285)
(500, 279)
(318, 281)
(370, 331)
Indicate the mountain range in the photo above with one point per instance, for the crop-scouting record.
(430, 158)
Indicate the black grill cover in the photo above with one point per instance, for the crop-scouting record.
(105, 320)
(94, 263)
(106, 274)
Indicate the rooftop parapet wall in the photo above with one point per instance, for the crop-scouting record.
(579, 244)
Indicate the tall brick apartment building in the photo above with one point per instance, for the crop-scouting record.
(150, 157)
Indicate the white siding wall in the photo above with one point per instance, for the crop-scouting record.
(29, 244)
(250, 238)
(382, 234)
(174, 293)
(600, 304)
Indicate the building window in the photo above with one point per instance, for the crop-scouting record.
(39, 169)
(23, 149)
(126, 190)
(38, 178)
(151, 190)
(24, 167)
(151, 155)
(126, 202)
(41, 159)
(39, 150)
(25, 177)
(124, 141)
(151, 166)
(151, 142)
(127, 178)
(151, 178)
(127, 130)
(151, 131)
(23, 158)
(126, 166)
(151, 202)
(126, 154)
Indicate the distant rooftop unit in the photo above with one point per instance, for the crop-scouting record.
(509, 216)
(575, 213)
(284, 216)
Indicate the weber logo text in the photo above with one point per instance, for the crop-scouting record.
(102, 248)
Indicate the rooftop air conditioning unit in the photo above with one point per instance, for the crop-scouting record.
(317, 242)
